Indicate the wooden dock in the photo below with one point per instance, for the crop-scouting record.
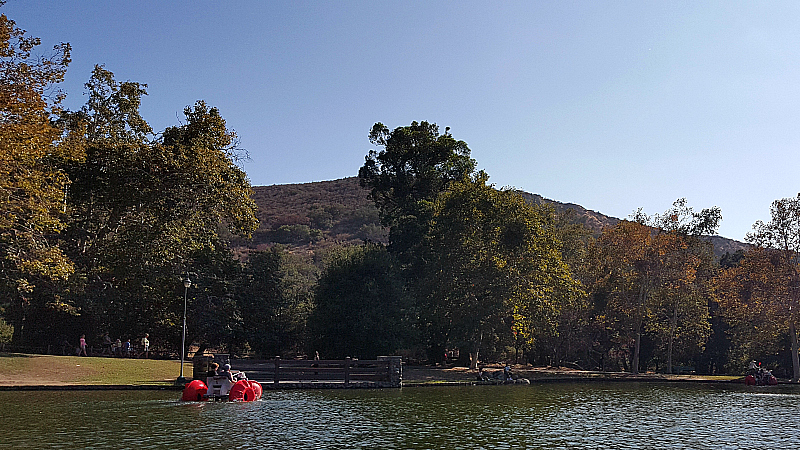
(277, 373)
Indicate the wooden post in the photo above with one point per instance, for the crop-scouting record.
(347, 370)
(277, 366)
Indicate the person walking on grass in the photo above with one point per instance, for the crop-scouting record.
(82, 344)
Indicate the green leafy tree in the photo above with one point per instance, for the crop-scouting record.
(274, 301)
(682, 303)
(6, 332)
(492, 267)
(360, 309)
(753, 299)
(571, 340)
(405, 177)
(259, 299)
(624, 280)
(142, 206)
(299, 274)
(214, 319)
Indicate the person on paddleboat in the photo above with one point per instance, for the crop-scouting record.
(225, 371)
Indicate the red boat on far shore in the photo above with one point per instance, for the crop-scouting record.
(759, 376)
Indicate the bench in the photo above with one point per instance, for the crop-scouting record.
(678, 370)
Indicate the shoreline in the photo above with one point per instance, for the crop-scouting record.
(23, 372)
(89, 387)
(413, 376)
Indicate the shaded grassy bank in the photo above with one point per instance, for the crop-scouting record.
(46, 370)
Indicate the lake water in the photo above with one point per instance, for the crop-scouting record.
(546, 416)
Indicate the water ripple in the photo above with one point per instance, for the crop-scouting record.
(544, 416)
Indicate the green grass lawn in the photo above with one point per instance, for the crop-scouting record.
(45, 369)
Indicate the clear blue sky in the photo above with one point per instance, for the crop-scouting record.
(611, 105)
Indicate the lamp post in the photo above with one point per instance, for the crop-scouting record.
(186, 284)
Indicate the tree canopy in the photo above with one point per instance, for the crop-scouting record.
(761, 295)
(360, 309)
(416, 164)
(32, 184)
(653, 274)
(492, 268)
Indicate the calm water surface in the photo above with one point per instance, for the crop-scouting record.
(546, 416)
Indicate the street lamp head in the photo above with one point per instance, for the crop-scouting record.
(187, 283)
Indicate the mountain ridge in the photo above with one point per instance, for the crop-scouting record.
(315, 215)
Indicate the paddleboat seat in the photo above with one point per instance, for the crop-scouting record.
(218, 386)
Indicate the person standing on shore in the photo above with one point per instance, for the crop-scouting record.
(66, 347)
(108, 345)
(82, 345)
(145, 346)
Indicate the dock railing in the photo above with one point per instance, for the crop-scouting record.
(386, 371)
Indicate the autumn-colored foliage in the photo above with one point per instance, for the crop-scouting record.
(32, 186)
(761, 295)
(653, 275)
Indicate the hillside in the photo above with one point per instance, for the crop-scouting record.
(591, 219)
(310, 216)
(313, 215)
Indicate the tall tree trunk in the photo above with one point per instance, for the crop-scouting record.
(639, 319)
(673, 325)
(473, 360)
(16, 318)
(473, 355)
(637, 342)
(795, 350)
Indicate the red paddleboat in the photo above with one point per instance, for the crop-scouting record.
(758, 376)
(221, 389)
